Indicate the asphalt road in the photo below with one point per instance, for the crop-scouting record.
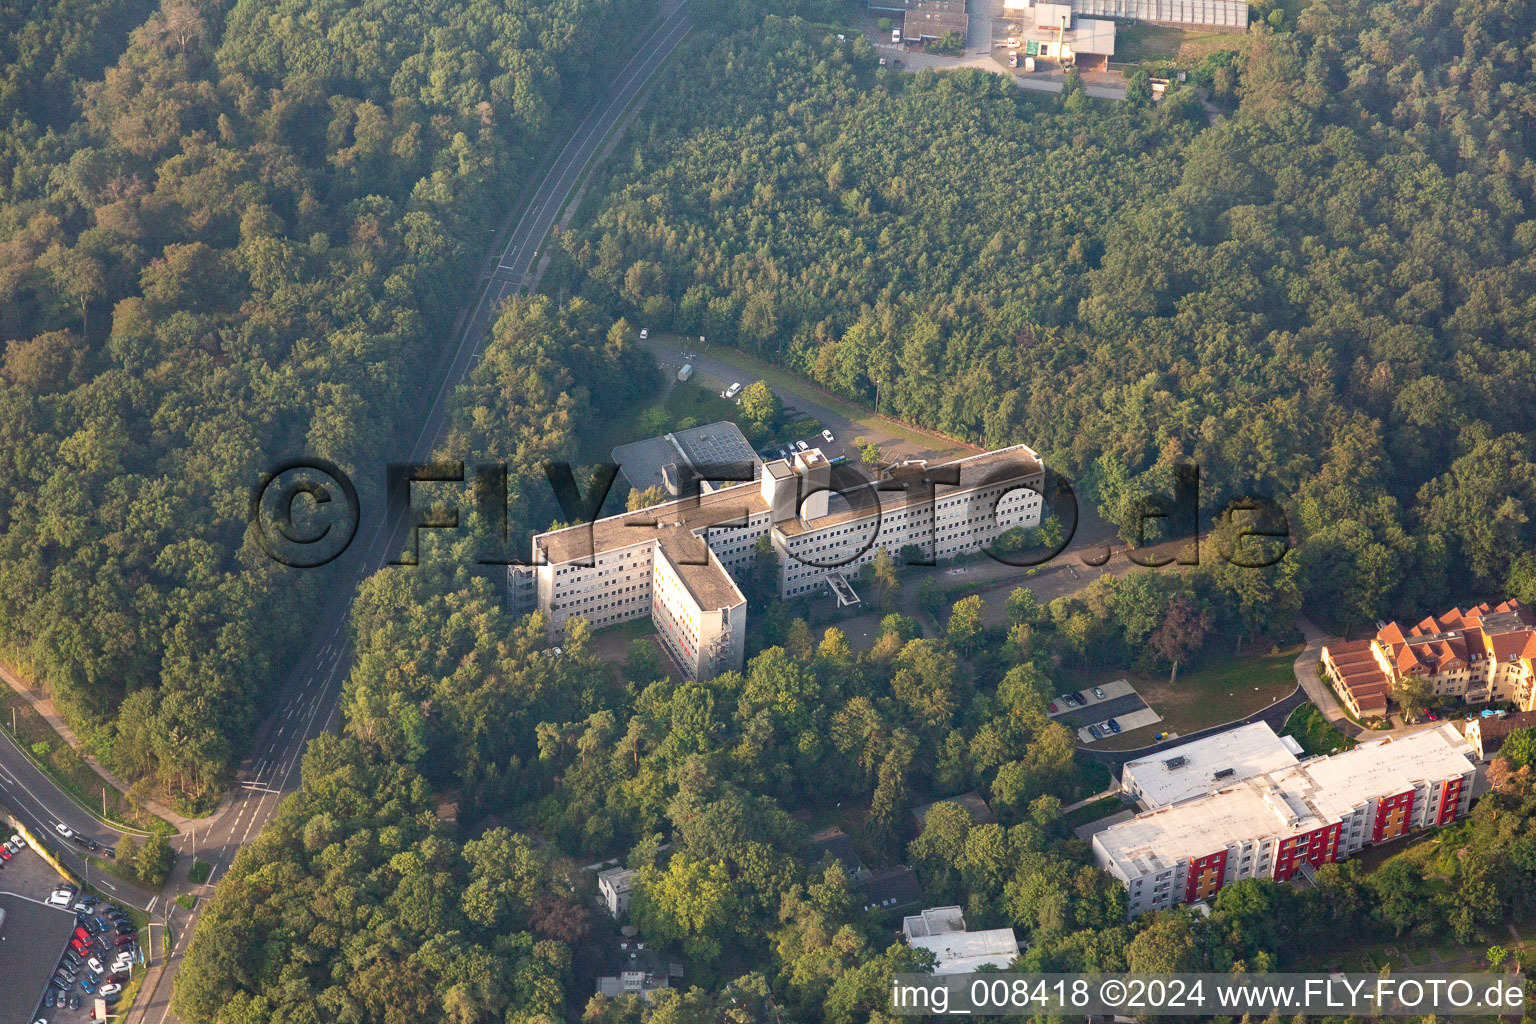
(40, 804)
(309, 701)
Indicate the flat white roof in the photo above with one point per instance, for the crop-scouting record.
(964, 952)
(1297, 799)
(1189, 771)
(1160, 839)
(1341, 782)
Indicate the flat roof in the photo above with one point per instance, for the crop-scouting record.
(1293, 800)
(964, 952)
(676, 525)
(1162, 838)
(1189, 771)
(32, 938)
(1384, 768)
(1093, 35)
(903, 486)
(712, 445)
(672, 524)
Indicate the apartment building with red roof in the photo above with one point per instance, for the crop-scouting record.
(1480, 654)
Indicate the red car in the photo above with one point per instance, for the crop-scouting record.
(4, 853)
(1052, 706)
(82, 934)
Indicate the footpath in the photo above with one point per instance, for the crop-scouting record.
(49, 713)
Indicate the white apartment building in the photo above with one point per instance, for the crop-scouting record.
(942, 931)
(676, 561)
(1292, 820)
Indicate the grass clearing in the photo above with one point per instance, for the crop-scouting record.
(1311, 728)
(1139, 44)
(198, 873)
(679, 405)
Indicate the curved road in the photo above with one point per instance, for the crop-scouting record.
(34, 798)
(309, 701)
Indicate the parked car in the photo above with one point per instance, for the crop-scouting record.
(95, 965)
(645, 332)
(126, 940)
(48, 999)
(801, 446)
(5, 853)
(74, 1001)
(88, 986)
(1095, 732)
(826, 435)
(1052, 707)
(107, 990)
(18, 842)
(1114, 726)
(1083, 697)
(81, 933)
(1098, 692)
(733, 390)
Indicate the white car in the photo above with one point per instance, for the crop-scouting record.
(60, 899)
(645, 332)
(826, 435)
(733, 390)
(122, 963)
(802, 446)
(64, 830)
(18, 842)
(95, 965)
(109, 990)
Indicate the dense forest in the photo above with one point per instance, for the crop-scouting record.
(363, 903)
(244, 241)
(1323, 298)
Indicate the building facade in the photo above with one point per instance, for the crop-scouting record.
(1290, 821)
(1482, 654)
(677, 562)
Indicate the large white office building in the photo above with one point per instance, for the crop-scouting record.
(676, 562)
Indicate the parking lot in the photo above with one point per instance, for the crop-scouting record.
(97, 936)
(1120, 702)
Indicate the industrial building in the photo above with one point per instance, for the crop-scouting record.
(1289, 821)
(1482, 654)
(668, 460)
(677, 561)
(1056, 32)
(1207, 765)
(32, 938)
(1217, 14)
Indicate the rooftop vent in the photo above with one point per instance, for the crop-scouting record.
(1224, 773)
(1176, 762)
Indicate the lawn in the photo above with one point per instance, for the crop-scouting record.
(1135, 44)
(1311, 728)
(1220, 691)
(684, 404)
(1093, 812)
